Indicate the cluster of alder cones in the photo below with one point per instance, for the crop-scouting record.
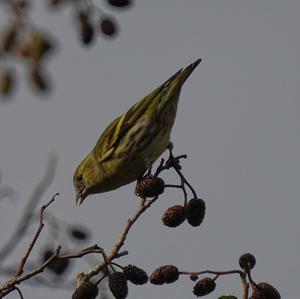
(167, 274)
(193, 211)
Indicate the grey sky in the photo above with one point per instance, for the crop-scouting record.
(238, 121)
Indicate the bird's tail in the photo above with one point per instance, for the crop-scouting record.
(186, 72)
(175, 83)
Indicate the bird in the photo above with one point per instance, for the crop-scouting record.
(132, 141)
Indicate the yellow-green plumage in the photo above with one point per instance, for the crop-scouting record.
(132, 140)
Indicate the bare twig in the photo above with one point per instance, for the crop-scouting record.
(219, 273)
(120, 242)
(35, 198)
(172, 162)
(19, 291)
(32, 243)
(8, 286)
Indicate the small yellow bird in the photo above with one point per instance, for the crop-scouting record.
(132, 141)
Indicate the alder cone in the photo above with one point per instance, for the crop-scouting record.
(174, 216)
(265, 291)
(119, 3)
(149, 186)
(135, 275)
(164, 274)
(38, 79)
(247, 261)
(108, 26)
(195, 211)
(87, 290)
(8, 39)
(204, 287)
(117, 283)
(6, 82)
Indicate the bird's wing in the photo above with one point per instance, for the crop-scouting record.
(111, 136)
(116, 129)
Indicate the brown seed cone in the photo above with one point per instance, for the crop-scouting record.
(87, 33)
(86, 28)
(108, 26)
(55, 3)
(174, 216)
(87, 290)
(265, 291)
(195, 211)
(135, 275)
(38, 79)
(36, 46)
(8, 38)
(204, 287)
(247, 261)
(164, 274)
(149, 186)
(119, 3)
(118, 285)
(6, 82)
(257, 295)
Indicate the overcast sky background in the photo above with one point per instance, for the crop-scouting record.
(238, 121)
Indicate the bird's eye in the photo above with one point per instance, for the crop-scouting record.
(80, 178)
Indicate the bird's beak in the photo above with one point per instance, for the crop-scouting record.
(80, 197)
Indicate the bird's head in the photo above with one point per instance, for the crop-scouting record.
(86, 178)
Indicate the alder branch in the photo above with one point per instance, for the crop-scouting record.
(20, 276)
(37, 234)
(34, 200)
(172, 162)
(115, 252)
(10, 284)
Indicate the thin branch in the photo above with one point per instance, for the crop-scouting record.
(219, 273)
(34, 200)
(8, 286)
(172, 162)
(245, 286)
(91, 249)
(19, 291)
(120, 242)
(37, 234)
